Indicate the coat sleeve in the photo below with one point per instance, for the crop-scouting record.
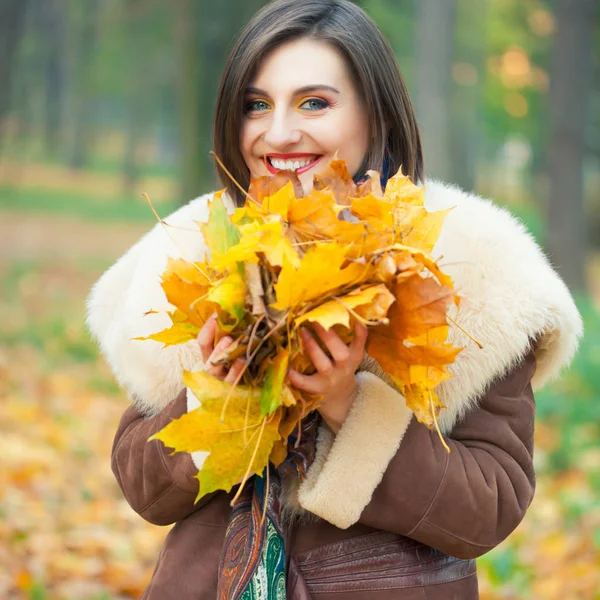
(463, 503)
(159, 485)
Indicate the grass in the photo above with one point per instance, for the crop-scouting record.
(95, 208)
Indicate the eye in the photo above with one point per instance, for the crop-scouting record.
(313, 104)
(256, 106)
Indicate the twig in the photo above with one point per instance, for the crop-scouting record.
(437, 427)
(252, 334)
(384, 321)
(147, 198)
(247, 474)
(465, 332)
(245, 367)
(239, 187)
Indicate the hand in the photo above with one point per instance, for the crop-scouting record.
(206, 340)
(335, 378)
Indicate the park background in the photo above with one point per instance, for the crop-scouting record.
(102, 100)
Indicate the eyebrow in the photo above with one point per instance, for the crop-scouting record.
(303, 90)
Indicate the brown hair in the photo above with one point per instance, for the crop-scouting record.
(394, 134)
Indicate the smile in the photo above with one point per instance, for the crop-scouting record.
(299, 163)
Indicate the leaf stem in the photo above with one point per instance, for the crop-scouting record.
(247, 474)
(465, 332)
(384, 321)
(245, 368)
(239, 187)
(437, 427)
(147, 198)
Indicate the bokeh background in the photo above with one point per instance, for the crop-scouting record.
(101, 100)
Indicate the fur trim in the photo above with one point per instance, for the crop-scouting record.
(119, 301)
(350, 466)
(511, 299)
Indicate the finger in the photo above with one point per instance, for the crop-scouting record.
(206, 337)
(321, 361)
(308, 383)
(223, 344)
(334, 343)
(236, 368)
(218, 371)
(357, 346)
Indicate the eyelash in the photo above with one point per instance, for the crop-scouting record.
(323, 103)
(250, 106)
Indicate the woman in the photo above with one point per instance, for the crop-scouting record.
(383, 512)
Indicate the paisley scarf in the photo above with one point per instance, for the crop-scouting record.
(253, 561)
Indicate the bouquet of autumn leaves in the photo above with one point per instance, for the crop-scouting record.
(345, 252)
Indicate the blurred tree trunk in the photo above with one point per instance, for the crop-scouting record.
(469, 72)
(204, 34)
(82, 111)
(435, 41)
(134, 131)
(189, 64)
(140, 77)
(12, 19)
(53, 31)
(570, 86)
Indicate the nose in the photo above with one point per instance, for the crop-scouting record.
(282, 132)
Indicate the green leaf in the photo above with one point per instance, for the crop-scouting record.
(230, 294)
(271, 395)
(219, 232)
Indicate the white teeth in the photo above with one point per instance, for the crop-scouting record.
(289, 165)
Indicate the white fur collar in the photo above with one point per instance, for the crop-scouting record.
(511, 296)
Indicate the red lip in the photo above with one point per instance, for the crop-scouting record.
(290, 156)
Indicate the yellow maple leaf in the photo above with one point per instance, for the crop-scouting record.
(180, 332)
(344, 252)
(400, 188)
(185, 285)
(374, 211)
(230, 294)
(320, 272)
(241, 442)
(371, 304)
(337, 180)
(424, 229)
(268, 237)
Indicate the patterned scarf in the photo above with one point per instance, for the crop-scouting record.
(253, 562)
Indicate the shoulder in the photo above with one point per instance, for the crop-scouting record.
(510, 295)
(119, 303)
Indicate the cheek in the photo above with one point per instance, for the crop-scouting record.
(349, 136)
(358, 133)
(248, 137)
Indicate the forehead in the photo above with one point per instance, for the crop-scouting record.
(301, 63)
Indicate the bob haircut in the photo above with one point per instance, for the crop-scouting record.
(394, 134)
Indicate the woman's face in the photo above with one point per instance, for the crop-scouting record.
(302, 109)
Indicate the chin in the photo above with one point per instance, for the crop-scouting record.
(307, 183)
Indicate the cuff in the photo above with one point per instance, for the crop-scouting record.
(348, 467)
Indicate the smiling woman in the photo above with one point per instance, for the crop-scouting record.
(368, 504)
(302, 109)
(307, 80)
